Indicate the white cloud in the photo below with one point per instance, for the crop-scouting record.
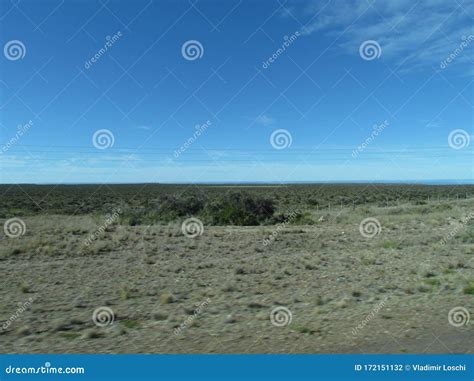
(412, 34)
(265, 120)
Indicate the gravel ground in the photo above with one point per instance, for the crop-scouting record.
(322, 288)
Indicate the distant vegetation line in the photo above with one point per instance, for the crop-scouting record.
(216, 205)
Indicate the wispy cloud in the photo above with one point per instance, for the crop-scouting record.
(265, 120)
(411, 34)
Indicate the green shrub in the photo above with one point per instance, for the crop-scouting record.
(239, 208)
(233, 208)
(171, 206)
(390, 245)
(138, 216)
(469, 289)
(166, 208)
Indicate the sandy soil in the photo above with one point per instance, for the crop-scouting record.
(215, 293)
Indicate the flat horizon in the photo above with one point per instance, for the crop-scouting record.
(342, 182)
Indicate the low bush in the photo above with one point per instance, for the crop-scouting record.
(171, 206)
(233, 208)
(239, 208)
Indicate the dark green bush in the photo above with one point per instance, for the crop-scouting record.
(138, 216)
(235, 208)
(166, 208)
(239, 209)
(172, 206)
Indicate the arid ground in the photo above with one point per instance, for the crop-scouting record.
(76, 279)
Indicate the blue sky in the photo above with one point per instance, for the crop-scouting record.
(296, 71)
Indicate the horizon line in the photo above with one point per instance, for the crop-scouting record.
(341, 182)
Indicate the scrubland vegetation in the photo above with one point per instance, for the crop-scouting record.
(260, 248)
